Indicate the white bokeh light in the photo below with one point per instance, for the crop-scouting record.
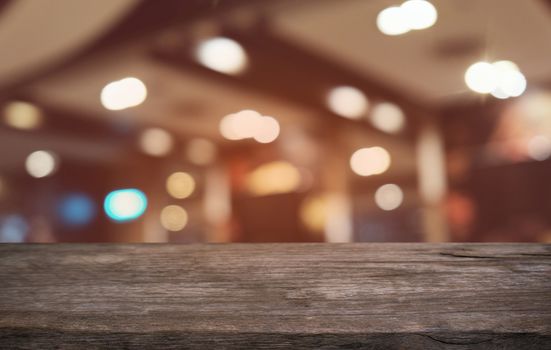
(370, 161)
(411, 15)
(539, 148)
(268, 130)
(419, 14)
(502, 79)
(387, 117)
(156, 142)
(513, 83)
(223, 55)
(248, 124)
(392, 21)
(389, 197)
(41, 163)
(124, 93)
(347, 101)
(482, 77)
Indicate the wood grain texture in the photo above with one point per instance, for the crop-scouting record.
(275, 296)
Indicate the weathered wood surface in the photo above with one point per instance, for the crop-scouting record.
(276, 296)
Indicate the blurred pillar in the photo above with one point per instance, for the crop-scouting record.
(431, 169)
(338, 223)
(217, 204)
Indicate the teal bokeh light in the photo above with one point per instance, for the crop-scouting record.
(125, 204)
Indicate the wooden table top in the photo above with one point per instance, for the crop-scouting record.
(275, 296)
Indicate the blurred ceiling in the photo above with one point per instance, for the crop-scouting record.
(428, 64)
(65, 51)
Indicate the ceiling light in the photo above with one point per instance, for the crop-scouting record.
(370, 161)
(393, 21)
(387, 117)
(419, 14)
(223, 55)
(482, 77)
(124, 93)
(347, 101)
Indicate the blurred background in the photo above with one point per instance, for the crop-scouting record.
(275, 121)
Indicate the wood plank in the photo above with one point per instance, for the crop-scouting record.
(276, 296)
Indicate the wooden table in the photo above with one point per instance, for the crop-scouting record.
(275, 296)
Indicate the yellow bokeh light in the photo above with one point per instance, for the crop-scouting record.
(370, 161)
(22, 115)
(273, 178)
(174, 218)
(314, 213)
(180, 185)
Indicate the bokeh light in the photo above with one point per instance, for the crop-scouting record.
(156, 142)
(511, 82)
(267, 130)
(124, 93)
(76, 209)
(249, 124)
(200, 151)
(539, 147)
(240, 125)
(174, 218)
(392, 21)
(125, 204)
(22, 115)
(370, 161)
(223, 55)
(180, 185)
(13, 229)
(314, 212)
(481, 77)
(347, 101)
(502, 79)
(387, 117)
(411, 15)
(273, 178)
(389, 197)
(41, 163)
(419, 14)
